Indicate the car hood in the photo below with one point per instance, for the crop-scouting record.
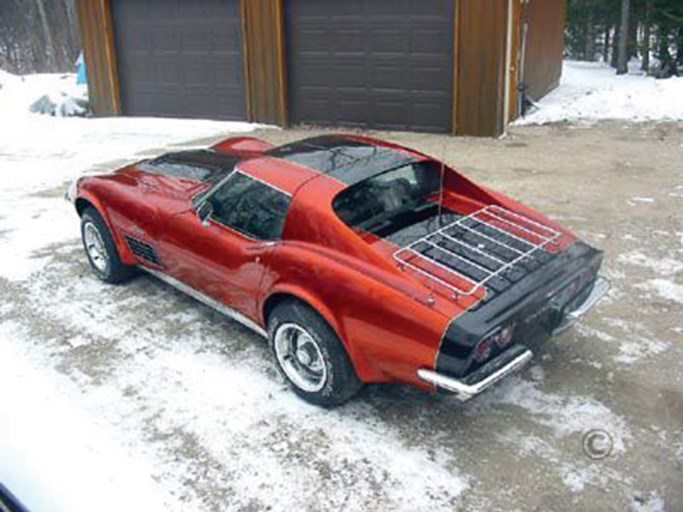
(176, 185)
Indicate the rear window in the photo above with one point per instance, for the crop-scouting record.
(381, 200)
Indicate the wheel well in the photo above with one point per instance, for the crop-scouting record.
(358, 360)
(81, 204)
(279, 298)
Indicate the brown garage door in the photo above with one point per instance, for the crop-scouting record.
(179, 58)
(371, 63)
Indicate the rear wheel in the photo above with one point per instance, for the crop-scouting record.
(310, 355)
(101, 250)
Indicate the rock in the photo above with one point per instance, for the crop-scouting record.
(64, 106)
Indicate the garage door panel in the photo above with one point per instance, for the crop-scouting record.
(349, 111)
(429, 42)
(344, 74)
(188, 53)
(424, 113)
(428, 78)
(369, 62)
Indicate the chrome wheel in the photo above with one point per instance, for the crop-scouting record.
(94, 245)
(300, 357)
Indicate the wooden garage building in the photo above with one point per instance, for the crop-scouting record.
(445, 66)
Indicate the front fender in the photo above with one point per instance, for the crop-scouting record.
(84, 193)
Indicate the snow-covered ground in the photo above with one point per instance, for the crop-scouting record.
(590, 91)
(137, 398)
(53, 453)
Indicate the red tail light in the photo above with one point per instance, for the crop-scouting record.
(483, 349)
(501, 337)
(505, 335)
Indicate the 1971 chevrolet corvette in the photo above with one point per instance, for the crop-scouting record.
(360, 260)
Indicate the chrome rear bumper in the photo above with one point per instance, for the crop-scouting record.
(600, 289)
(464, 391)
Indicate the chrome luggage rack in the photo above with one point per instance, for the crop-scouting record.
(479, 249)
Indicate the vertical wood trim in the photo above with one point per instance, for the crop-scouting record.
(514, 64)
(481, 67)
(97, 35)
(110, 55)
(281, 42)
(508, 62)
(246, 58)
(456, 66)
(264, 57)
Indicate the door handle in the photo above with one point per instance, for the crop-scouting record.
(261, 246)
(258, 248)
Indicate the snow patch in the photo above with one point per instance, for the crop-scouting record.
(632, 351)
(41, 155)
(590, 91)
(661, 266)
(647, 503)
(576, 480)
(261, 464)
(575, 475)
(565, 415)
(664, 288)
(20, 94)
(78, 341)
(634, 343)
(41, 428)
(634, 200)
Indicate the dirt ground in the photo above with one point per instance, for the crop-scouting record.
(151, 355)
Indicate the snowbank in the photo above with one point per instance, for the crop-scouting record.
(55, 94)
(591, 91)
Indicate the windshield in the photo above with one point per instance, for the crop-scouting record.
(386, 202)
(196, 165)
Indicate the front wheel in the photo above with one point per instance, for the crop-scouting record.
(101, 250)
(310, 355)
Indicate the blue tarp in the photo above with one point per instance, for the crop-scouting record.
(81, 76)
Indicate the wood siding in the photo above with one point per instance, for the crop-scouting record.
(97, 34)
(544, 45)
(480, 56)
(264, 40)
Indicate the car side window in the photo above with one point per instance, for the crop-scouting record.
(250, 207)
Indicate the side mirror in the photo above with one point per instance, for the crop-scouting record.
(204, 212)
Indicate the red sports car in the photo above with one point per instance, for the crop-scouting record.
(360, 260)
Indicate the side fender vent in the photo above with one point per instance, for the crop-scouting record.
(143, 250)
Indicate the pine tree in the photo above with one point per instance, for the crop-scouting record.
(622, 49)
(616, 30)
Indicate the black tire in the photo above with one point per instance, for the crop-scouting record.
(113, 271)
(340, 382)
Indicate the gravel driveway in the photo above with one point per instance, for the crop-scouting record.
(195, 399)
